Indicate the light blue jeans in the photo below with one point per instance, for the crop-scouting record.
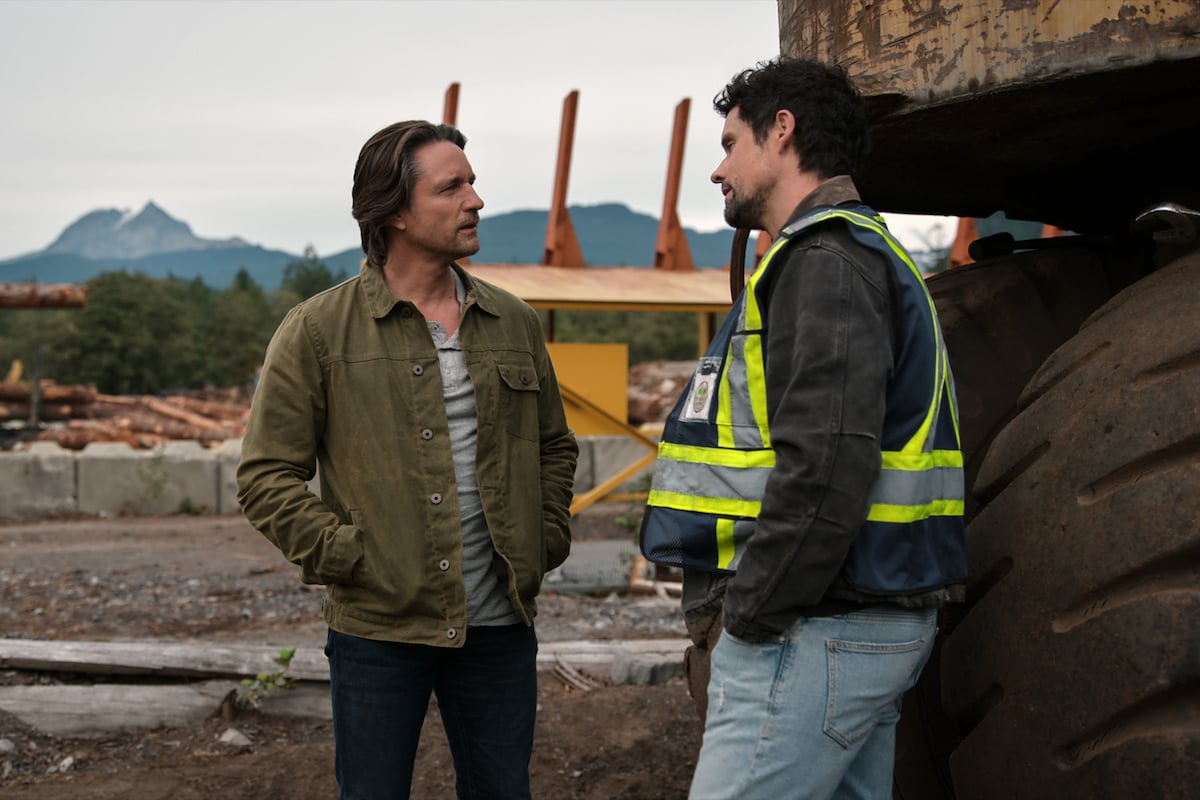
(813, 713)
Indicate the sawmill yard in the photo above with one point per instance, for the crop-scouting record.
(163, 589)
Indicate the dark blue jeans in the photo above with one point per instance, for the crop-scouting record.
(486, 692)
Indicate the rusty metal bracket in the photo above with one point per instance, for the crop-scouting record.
(671, 249)
(562, 245)
(450, 106)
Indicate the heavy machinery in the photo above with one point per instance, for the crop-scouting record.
(1074, 669)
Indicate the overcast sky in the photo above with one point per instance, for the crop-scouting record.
(245, 118)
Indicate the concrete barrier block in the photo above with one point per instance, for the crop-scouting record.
(191, 477)
(175, 476)
(611, 454)
(585, 473)
(113, 478)
(36, 481)
(643, 669)
(314, 485)
(228, 455)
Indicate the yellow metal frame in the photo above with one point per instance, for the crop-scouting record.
(577, 403)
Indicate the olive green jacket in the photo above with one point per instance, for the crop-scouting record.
(351, 381)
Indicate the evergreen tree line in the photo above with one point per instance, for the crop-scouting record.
(143, 335)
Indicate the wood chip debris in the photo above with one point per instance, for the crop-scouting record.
(573, 677)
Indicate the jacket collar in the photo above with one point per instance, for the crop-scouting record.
(380, 300)
(837, 191)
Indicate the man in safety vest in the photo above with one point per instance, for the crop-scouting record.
(809, 480)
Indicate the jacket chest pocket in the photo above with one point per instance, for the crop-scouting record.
(519, 397)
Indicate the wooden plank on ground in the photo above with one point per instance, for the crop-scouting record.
(176, 659)
(104, 709)
(200, 659)
(92, 710)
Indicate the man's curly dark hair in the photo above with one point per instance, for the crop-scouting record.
(831, 120)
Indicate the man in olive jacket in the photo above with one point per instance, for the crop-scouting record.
(429, 401)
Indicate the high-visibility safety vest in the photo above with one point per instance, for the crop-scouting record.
(715, 453)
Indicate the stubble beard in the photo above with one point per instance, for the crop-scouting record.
(470, 247)
(464, 245)
(749, 212)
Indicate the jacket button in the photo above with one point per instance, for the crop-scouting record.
(444, 564)
(418, 370)
(436, 498)
(524, 379)
(406, 312)
(451, 633)
(427, 434)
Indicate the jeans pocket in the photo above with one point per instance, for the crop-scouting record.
(866, 682)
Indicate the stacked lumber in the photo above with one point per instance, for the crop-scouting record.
(654, 387)
(42, 295)
(79, 415)
(57, 402)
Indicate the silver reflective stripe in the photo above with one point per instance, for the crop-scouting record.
(898, 487)
(710, 480)
(744, 427)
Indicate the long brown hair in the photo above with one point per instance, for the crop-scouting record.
(384, 176)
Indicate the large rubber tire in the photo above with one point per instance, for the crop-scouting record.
(1001, 318)
(1075, 673)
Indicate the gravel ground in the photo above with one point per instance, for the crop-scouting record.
(145, 578)
(213, 579)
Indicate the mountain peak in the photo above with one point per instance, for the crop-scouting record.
(113, 233)
(152, 210)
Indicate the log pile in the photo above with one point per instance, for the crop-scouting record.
(654, 387)
(79, 415)
(42, 295)
(75, 416)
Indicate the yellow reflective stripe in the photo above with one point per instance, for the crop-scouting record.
(917, 443)
(940, 371)
(756, 381)
(724, 419)
(877, 225)
(919, 462)
(753, 315)
(717, 456)
(948, 390)
(924, 432)
(752, 358)
(938, 508)
(721, 506)
(725, 548)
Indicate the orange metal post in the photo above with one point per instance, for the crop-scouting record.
(450, 117)
(967, 232)
(562, 245)
(450, 107)
(671, 249)
(762, 243)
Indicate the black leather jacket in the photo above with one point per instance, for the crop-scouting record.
(829, 354)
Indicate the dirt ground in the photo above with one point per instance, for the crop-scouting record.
(213, 579)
